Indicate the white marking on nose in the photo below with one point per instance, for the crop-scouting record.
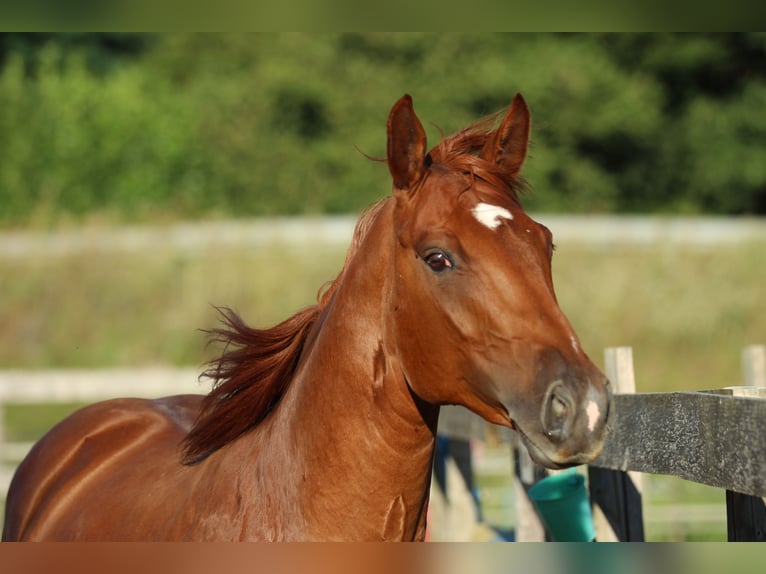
(490, 215)
(593, 413)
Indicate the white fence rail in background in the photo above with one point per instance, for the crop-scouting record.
(337, 230)
(88, 385)
(83, 386)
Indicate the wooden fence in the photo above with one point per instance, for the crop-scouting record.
(712, 437)
(715, 437)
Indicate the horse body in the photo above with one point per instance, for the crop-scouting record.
(281, 481)
(323, 428)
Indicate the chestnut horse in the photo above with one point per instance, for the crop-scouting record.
(323, 427)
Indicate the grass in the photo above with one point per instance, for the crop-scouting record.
(27, 423)
(687, 313)
(96, 309)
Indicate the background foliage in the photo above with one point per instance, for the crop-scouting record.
(141, 127)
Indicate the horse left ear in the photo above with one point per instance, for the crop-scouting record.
(508, 145)
(406, 145)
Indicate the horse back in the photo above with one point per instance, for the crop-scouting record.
(107, 455)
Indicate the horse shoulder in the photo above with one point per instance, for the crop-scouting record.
(101, 429)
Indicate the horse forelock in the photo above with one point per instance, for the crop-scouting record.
(461, 152)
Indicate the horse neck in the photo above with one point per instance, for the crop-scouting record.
(366, 442)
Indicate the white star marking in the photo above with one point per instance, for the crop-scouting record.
(490, 215)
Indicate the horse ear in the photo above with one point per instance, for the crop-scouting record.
(508, 145)
(406, 144)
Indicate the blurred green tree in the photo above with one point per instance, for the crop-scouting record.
(191, 125)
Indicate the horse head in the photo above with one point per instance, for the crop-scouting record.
(474, 315)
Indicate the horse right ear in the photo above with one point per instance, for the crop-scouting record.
(406, 145)
(508, 146)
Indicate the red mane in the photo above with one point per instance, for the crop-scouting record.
(256, 367)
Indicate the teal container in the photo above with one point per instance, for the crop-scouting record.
(562, 502)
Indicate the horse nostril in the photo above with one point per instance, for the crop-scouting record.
(558, 407)
(557, 412)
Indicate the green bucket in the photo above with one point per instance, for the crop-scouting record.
(562, 502)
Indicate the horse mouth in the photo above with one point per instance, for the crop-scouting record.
(540, 457)
(537, 454)
(543, 457)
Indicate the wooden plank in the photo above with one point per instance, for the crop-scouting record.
(754, 365)
(707, 438)
(331, 230)
(620, 503)
(616, 495)
(748, 391)
(745, 517)
(88, 385)
(529, 526)
(745, 514)
(618, 368)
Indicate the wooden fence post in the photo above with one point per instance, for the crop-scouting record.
(745, 514)
(616, 495)
(529, 527)
(2, 431)
(754, 366)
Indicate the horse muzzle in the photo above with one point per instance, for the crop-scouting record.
(571, 426)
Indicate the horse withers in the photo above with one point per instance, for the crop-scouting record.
(323, 427)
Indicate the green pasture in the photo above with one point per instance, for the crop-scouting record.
(686, 311)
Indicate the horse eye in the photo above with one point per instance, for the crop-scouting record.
(438, 261)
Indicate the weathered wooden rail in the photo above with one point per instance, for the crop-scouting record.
(715, 437)
(704, 437)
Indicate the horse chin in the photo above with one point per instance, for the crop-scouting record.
(540, 457)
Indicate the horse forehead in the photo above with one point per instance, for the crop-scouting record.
(446, 200)
(490, 215)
